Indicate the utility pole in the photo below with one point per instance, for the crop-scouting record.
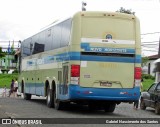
(158, 65)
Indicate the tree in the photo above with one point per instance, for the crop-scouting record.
(144, 61)
(127, 11)
(2, 54)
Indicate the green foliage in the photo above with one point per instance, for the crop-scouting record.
(127, 11)
(144, 61)
(147, 83)
(5, 79)
(147, 76)
(15, 71)
(2, 54)
(148, 80)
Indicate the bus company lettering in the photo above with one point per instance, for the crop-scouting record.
(115, 50)
(97, 49)
(118, 50)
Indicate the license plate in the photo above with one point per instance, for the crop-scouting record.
(106, 84)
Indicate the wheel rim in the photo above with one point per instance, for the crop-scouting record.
(48, 97)
(55, 103)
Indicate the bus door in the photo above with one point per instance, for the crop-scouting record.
(63, 79)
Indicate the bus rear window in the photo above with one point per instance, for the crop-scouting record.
(107, 54)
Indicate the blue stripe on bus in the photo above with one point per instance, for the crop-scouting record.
(77, 56)
(78, 92)
(116, 94)
(138, 59)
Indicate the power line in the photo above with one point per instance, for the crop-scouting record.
(151, 33)
(150, 45)
(9, 41)
(149, 42)
(149, 50)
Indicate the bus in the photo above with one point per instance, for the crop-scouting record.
(92, 58)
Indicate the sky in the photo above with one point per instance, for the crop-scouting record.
(20, 19)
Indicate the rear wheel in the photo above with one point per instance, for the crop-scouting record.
(92, 106)
(157, 109)
(27, 96)
(57, 103)
(110, 107)
(50, 98)
(142, 105)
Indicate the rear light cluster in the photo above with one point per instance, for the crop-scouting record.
(137, 76)
(75, 70)
(137, 73)
(75, 74)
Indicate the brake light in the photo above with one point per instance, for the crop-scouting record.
(75, 74)
(75, 70)
(137, 73)
(137, 76)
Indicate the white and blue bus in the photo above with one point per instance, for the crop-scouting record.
(93, 58)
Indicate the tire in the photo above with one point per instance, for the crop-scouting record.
(58, 105)
(27, 96)
(142, 105)
(49, 99)
(109, 107)
(91, 107)
(157, 109)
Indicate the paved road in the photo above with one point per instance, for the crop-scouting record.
(36, 108)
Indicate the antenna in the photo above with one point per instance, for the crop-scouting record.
(83, 6)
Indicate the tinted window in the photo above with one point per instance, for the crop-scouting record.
(158, 87)
(66, 30)
(152, 88)
(48, 39)
(41, 39)
(56, 37)
(52, 38)
(26, 51)
(38, 48)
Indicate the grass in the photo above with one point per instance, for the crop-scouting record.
(5, 79)
(147, 83)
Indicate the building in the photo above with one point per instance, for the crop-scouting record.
(8, 64)
(150, 65)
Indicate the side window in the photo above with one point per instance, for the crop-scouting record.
(56, 37)
(48, 39)
(66, 31)
(158, 87)
(41, 39)
(152, 88)
(26, 48)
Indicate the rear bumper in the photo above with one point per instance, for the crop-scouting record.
(111, 94)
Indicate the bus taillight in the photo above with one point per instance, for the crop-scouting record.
(137, 76)
(137, 73)
(75, 74)
(75, 70)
